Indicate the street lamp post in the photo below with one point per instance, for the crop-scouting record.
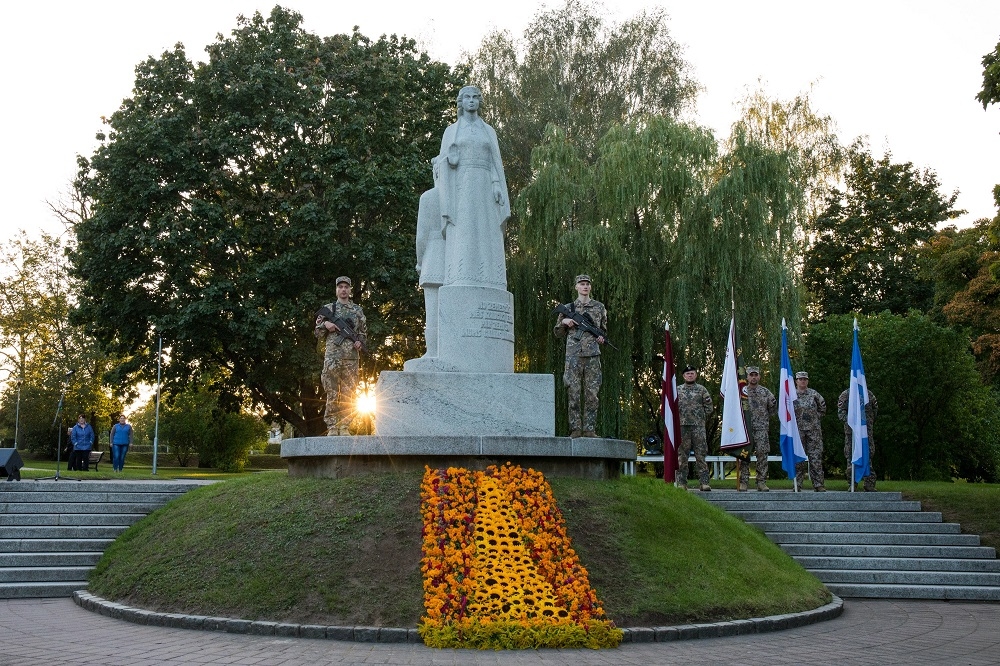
(156, 426)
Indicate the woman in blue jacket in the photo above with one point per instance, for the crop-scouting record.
(82, 437)
(121, 439)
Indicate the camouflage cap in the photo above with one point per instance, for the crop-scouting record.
(344, 278)
(802, 375)
(582, 278)
(690, 368)
(753, 370)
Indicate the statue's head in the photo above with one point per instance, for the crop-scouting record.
(469, 98)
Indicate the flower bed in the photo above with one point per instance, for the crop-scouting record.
(499, 570)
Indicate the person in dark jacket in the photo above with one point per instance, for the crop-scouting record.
(82, 438)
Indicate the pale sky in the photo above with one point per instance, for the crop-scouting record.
(903, 73)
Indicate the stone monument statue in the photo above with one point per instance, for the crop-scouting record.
(460, 251)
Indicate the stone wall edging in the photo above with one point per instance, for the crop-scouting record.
(755, 625)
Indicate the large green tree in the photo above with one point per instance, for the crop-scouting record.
(936, 419)
(864, 255)
(990, 93)
(573, 68)
(228, 195)
(670, 227)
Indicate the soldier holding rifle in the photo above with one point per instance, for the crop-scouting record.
(343, 326)
(583, 323)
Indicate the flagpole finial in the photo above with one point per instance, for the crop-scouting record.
(666, 325)
(783, 327)
(856, 324)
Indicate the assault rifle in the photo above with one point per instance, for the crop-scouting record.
(346, 326)
(584, 322)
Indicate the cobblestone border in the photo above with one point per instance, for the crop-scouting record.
(757, 625)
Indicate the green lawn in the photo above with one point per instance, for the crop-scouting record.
(37, 469)
(347, 551)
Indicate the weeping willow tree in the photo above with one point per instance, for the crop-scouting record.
(670, 226)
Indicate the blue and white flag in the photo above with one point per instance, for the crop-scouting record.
(856, 413)
(790, 443)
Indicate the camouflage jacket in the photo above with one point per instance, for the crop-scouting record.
(759, 405)
(580, 343)
(871, 409)
(809, 409)
(337, 346)
(694, 404)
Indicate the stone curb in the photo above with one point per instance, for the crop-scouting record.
(757, 625)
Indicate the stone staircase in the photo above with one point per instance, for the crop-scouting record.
(873, 545)
(52, 533)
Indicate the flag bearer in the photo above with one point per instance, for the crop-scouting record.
(761, 406)
(871, 411)
(695, 406)
(809, 409)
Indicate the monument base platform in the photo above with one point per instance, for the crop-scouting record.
(454, 404)
(338, 457)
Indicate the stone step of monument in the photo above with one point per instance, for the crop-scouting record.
(144, 507)
(899, 564)
(813, 505)
(81, 558)
(52, 545)
(92, 518)
(839, 516)
(951, 552)
(28, 589)
(803, 496)
(943, 592)
(18, 532)
(827, 527)
(883, 577)
(43, 574)
(52, 533)
(874, 538)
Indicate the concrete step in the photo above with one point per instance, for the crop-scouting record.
(810, 505)
(895, 528)
(62, 532)
(951, 552)
(41, 574)
(68, 519)
(806, 496)
(77, 559)
(52, 545)
(109, 486)
(840, 516)
(27, 590)
(80, 507)
(82, 497)
(874, 538)
(882, 577)
(899, 563)
(944, 592)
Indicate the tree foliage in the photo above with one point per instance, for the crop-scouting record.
(864, 257)
(39, 345)
(572, 68)
(228, 195)
(669, 228)
(990, 94)
(936, 418)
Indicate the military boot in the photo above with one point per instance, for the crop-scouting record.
(762, 488)
(576, 432)
(589, 433)
(742, 488)
(705, 488)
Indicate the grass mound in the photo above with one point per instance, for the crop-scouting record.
(347, 552)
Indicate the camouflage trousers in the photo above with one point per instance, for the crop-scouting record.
(340, 380)
(761, 448)
(692, 437)
(869, 480)
(812, 442)
(583, 374)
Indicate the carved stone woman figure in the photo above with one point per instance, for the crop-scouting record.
(473, 196)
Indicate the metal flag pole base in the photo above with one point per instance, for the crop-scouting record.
(851, 480)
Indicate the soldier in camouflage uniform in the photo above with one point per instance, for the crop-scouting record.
(694, 405)
(809, 409)
(871, 411)
(583, 359)
(760, 406)
(340, 360)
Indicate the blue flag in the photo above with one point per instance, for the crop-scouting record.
(790, 442)
(856, 416)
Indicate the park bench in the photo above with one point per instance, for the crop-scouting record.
(95, 457)
(718, 463)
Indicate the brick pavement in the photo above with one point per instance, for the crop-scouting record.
(56, 632)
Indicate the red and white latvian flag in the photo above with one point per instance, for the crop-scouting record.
(734, 426)
(668, 403)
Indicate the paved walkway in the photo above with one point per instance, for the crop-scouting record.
(56, 632)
